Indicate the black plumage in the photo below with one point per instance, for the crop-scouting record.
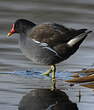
(48, 43)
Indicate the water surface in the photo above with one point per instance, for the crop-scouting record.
(15, 80)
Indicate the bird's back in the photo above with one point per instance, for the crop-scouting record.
(53, 34)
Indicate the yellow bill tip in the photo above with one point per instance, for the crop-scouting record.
(9, 34)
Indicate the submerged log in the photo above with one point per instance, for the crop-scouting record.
(88, 85)
(91, 70)
(81, 79)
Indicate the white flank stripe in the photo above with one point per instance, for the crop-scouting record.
(36, 41)
(53, 51)
(50, 49)
(45, 45)
(42, 44)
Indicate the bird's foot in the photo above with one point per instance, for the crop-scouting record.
(47, 73)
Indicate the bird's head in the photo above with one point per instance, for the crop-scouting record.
(21, 26)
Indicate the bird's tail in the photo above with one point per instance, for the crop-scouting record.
(78, 39)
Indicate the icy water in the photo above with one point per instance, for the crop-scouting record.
(15, 80)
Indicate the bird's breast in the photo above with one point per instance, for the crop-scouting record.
(37, 53)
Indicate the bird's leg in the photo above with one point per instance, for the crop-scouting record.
(47, 72)
(53, 67)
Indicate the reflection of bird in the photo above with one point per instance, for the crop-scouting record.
(44, 99)
(47, 43)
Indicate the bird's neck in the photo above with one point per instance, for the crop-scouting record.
(22, 38)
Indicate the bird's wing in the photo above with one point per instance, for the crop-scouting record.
(56, 37)
(53, 34)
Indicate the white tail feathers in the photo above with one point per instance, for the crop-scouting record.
(73, 41)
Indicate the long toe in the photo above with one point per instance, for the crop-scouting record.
(47, 73)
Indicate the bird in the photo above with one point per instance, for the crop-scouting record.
(47, 43)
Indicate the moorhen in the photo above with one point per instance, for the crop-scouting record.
(48, 43)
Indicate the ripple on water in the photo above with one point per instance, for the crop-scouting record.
(18, 75)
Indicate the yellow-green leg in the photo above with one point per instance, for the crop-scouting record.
(47, 72)
(52, 70)
(53, 67)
